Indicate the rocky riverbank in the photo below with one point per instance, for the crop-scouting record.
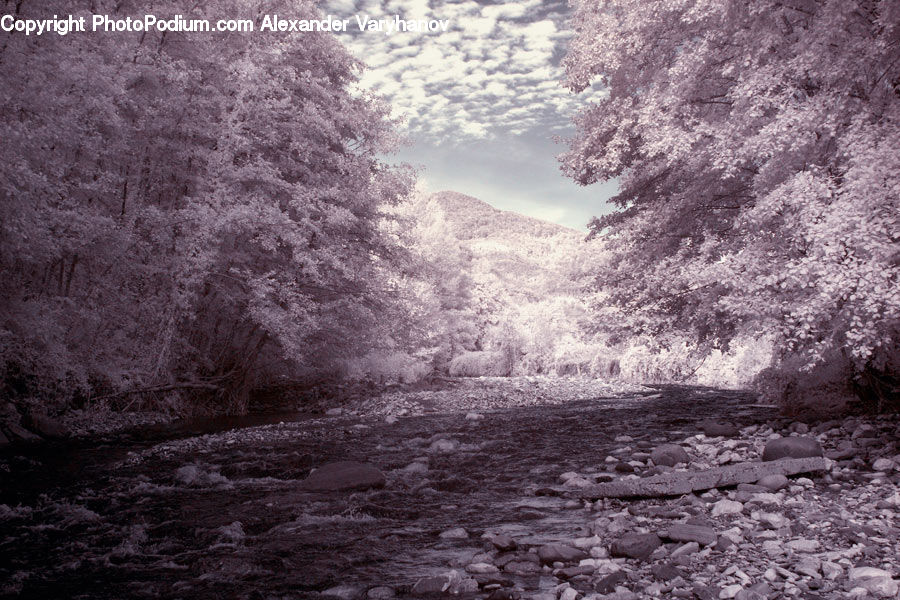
(501, 495)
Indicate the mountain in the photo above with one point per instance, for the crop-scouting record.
(529, 260)
(472, 218)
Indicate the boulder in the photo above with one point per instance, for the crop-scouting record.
(343, 476)
(635, 545)
(713, 428)
(669, 455)
(792, 447)
(551, 553)
(46, 427)
(679, 483)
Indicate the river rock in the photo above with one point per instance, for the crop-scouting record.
(635, 545)
(521, 567)
(681, 532)
(481, 568)
(792, 447)
(686, 550)
(457, 533)
(343, 592)
(669, 455)
(381, 592)
(877, 581)
(343, 476)
(608, 584)
(678, 483)
(883, 464)
(46, 426)
(665, 571)
(713, 428)
(773, 483)
(503, 542)
(551, 553)
(727, 507)
(431, 585)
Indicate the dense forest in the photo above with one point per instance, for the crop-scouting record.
(187, 218)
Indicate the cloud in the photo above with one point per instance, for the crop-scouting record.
(494, 73)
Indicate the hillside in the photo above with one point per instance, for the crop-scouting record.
(472, 218)
(520, 292)
(528, 257)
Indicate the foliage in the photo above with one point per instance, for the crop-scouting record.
(195, 209)
(757, 147)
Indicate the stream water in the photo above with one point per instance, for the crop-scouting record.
(221, 515)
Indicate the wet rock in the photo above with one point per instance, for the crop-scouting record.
(444, 446)
(713, 428)
(570, 572)
(474, 416)
(773, 483)
(381, 592)
(457, 533)
(679, 483)
(343, 476)
(608, 584)
(343, 592)
(635, 545)
(669, 455)
(876, 581)
(551, 553)
(792, 447)
(521, 567)
(431, 585)
(481, 568)
(503, 542)
(504, 594)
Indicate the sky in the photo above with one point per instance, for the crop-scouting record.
(482, 102)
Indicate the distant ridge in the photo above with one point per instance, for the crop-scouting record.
(471, 218)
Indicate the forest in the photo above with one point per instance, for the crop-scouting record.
(188, 219)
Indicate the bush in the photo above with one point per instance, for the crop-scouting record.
(480, 364)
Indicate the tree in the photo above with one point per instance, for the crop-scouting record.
(758, 151)
(188, 209)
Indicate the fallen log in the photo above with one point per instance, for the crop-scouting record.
(677, 483)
